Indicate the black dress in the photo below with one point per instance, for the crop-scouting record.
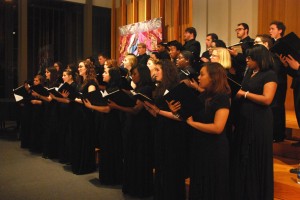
(170, 156)
(111, 149)
(209, 173)
(83, 137)
(138, 155)
(65, 127)
(252, 166)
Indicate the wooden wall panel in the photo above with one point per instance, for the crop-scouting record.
(287, 11)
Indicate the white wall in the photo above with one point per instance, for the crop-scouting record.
(100, 3)
(222, 16)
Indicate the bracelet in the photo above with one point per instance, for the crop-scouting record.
(176, 115)
(246, 94)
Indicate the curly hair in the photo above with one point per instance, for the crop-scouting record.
(90, 73)
(170, 77)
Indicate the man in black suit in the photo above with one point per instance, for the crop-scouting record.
(192, 45)
(142, 57)
(276, 31)
(239, 59)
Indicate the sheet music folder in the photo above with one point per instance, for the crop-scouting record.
(120, 97)
(142, 97)
(95, 97)
(40, 90)
(188, 99)
(289, 44)
(19, 93)
(72, 91)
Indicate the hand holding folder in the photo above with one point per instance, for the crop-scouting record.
(187, 98)
(142, 97)
(288, 45)
(120, 97)
(40, 90)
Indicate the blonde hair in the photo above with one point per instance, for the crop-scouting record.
(224, 57)
(132, 60)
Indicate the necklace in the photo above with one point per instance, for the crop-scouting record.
(255, 72)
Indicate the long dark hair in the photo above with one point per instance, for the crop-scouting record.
(217, 74)
(262, 56)
(170, 77)
(145, 77)
(52, 82)
(115, 78)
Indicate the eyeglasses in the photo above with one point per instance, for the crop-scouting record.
(80, 66)
(248, 58)
(239, 29)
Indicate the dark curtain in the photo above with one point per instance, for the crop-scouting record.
(55, 33)
(101, 30)
(8, 47)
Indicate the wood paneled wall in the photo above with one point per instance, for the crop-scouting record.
(287, 11)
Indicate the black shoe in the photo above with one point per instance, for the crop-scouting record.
(278, 140)
(294, 170)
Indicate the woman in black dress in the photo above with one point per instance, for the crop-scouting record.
(209, 173)
(138, 155)
(51, 131)
(170, 157)
(111, 148)
(83, 134)
(65, 116)
(252, 167)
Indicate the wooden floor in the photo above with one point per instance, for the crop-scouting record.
(285, 183)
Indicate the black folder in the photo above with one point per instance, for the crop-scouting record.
(95, 97)
(72, 91)
(55, 92)
(40, 90)
(187, 97)
(19, 93)
(289, 44)
(190, 75)
(121, 98)
(142, 97)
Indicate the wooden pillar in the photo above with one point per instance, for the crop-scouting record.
(148, 9)
(113, 29)
(87, 29)
(123, 13)
(22, 41)
(135, 11)
(175, 23)
(161, 12)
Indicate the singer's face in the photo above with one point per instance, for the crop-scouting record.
(66, 78)
(158, 73)
(127, 63)
(204, 78)
(81, 69)
(274, 31)
(214, 56)
(135, 76)
(36, 81)
(105, 75)
(47, 74)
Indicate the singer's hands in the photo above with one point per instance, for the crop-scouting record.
(283, 60)
(152, 109)
(87, 103)
(65, 93)
(240, 93)
(112, 104)
(233, 52)
(294, 64)
(174, 106)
